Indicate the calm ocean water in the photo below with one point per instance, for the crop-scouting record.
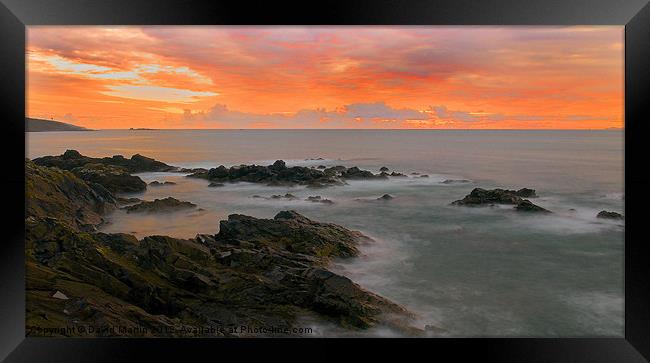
(470, 271)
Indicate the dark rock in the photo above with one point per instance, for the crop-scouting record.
(397, 174)
(526, 193)
(321, 167)
(424, 176)
(356, 173)
(254, 272)
(168, 204)
(278, 174)
(335, 170)
(609, 215)
(318, 199)
(278, 165)
(386, 197)
(121, 201)
(156, 183)
(455, 181)
(480, 196)
(214, 185)
(286, 196)
(383, 168)
(56, 193)
(114, 178)
(73, 159)
(527, 206)
(192, 170)
(294, 232)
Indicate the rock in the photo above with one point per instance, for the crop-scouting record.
(59, 295)
(156, 183)
(192, 170)
(286, 196)
(321, 167)
(277, 174)
(56, 193)
(424, 176)
(527, 206)
(383, 168)
(386, 197)
(479, 196)
(294, 232)
(168, 204)
(455, 181)
(397, 174)
(73, 159)
(114, 178)
(121, 201)
(254, 272)
(335, 170)
(318, 199)
(526, 193)
(214, 185)
(609, 215)
(356, 173)
(278, 165)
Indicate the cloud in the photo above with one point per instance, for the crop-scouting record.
(360, 115)
(330, 76)
(68, 117)
(155, 93)
(344, 116)
(443, 113)
(379, 110)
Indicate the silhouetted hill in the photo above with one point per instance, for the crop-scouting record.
(37, 125)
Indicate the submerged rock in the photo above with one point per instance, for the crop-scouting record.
(156, 183)
(214, 185)
(318, 199)
(168, 204)
(386, 197)
(609, 215)
(455, 181)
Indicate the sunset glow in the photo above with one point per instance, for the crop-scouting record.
(327, 77)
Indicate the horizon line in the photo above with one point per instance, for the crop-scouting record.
(350, 129)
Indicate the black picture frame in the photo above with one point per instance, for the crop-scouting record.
(15, 15)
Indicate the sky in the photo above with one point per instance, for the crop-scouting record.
(294, 77)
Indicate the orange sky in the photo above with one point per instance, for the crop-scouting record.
(327, 77)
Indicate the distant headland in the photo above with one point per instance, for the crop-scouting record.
(38, 125)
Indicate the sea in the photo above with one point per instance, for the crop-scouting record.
(471, 272)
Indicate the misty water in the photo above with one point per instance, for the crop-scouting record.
(470, 271)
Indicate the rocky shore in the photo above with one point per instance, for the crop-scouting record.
(269, 275)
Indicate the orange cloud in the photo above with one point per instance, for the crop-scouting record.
(332, 77)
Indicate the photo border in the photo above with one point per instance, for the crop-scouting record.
(15, 15)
